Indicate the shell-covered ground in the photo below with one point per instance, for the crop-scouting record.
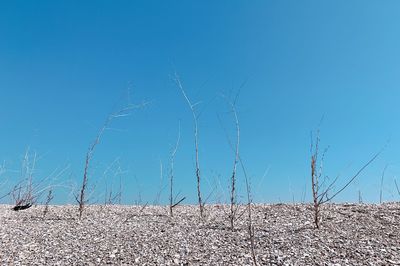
(284, 234)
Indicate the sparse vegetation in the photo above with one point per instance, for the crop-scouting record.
(27, 191)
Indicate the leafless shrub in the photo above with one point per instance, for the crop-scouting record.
(81, 197)
(196, 142)
(320, 191)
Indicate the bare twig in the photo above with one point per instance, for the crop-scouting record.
(176, 204)
(354, 177)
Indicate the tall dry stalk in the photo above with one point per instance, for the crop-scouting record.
(81, 197)
(233, 207)
(196, 141)
(319, 189)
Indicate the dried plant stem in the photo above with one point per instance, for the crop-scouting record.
(236, 159)
(314, 181)
(320, 193)
(81, 198)
(196, 142)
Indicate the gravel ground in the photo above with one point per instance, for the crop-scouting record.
(129, 235)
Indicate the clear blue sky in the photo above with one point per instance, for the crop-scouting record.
(65, 64)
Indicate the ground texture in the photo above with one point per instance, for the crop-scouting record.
(122, 235)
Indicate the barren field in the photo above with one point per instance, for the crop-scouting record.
(129, 235)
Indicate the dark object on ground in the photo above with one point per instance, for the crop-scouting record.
(22, 207)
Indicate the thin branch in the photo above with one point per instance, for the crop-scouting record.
(354, 177)
(176, 204)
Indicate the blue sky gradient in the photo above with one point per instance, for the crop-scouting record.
(65, 65)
